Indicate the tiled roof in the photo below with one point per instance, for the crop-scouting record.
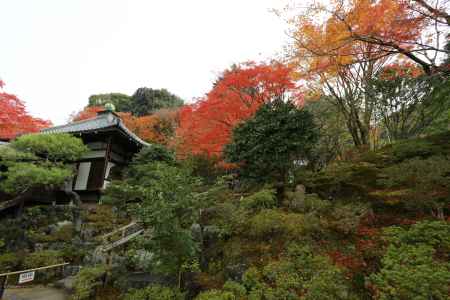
(103, 121)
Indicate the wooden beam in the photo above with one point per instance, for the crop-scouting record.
(35, 269)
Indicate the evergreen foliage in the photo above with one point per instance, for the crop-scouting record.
(268, 146)
(147, 100)
(38, 162)
(154, 292)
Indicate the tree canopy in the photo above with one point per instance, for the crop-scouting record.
(120, 101)
(146, 101)
(161, 195)
(38, 161)
(14, 119)
(205, 127)
(267, 146)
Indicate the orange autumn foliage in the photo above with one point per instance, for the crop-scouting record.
(14, 119)
(155, 128)
(397, 70)
(330, 35)
(152, 128)
(205, 127)
(88, 112)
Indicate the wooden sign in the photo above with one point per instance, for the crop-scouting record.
(26, 277)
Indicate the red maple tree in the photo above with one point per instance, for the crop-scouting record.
(205, 127)
(14, 119)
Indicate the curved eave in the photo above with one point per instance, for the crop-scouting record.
(98, 124)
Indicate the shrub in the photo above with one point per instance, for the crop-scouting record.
(38, 161)
(237, 289)
(9, 261)
(86, 282)
(432, 233)
(264, 199)
(426, 180)
(425, 173)
(154, 153)
(54, 147)
(409, 272)
(155, 292)
(74, 253)
(309, 203)
(42, 258)
(216, 295)
(297, 272)
(411, 268)
(412, 148)
(64, 233)
(269, 223)
(345, 218)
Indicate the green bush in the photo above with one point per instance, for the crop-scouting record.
(410, 272)
(64, 233)
(154, 292)
(264, 199)
(431, 233)
(411, 267)
(345, 218)
(237, 289)
(424, 183)
(54, 147)
(424, 173)
(269, 223)
(86, 282)
(309, 203)
(216, 295)
(43, 258)
(299, 272)
(412, 148)
(9, 261)
(38, 161)
(154, 153)
(73, 253)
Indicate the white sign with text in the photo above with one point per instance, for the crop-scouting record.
(26, 277)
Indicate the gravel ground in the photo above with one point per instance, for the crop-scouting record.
(35, 293)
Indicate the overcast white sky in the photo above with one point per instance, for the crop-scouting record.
(55, 53)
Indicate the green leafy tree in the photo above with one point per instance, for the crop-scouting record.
(120, 101)
(37, 162)
(145, 101)
(334, 137)
(154, 153)
(120, 193)
(268, 146)
(162, 197)
(407, 106)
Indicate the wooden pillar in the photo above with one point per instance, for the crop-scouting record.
(3, 282)
(107, 158)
